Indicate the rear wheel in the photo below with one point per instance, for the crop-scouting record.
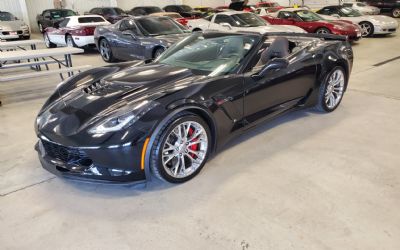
(69, 40)
(105, 50)
(332, 90)
(367, 29)
(396, 12)
(181, 148)
(47, 41)
(323, 31)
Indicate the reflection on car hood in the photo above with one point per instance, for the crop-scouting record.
(11, 25)
(173, 38)
(275, 28)
(70, 114)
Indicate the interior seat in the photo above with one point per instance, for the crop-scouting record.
(279, 48)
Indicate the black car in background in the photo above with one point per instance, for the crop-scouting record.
(126, 122)
(144, 10)
(142, 38)
(386, 6)
(51, 16)
(184, 10)
(111, 14)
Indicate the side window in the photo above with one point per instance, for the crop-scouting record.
(128, 25)
(64, 23)
(285, 15)
(326, 11)
(209, 18)
(95, 11)
(46, 14)
(224, 19)
(107, 12)
(138, 12)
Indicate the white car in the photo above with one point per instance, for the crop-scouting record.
(363, 8)
(74, 31)
(369, 24)
(239, 21)
(12, 28)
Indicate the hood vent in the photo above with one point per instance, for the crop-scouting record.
(95, 87)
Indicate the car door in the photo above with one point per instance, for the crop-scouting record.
(127, 42)
(279, 89)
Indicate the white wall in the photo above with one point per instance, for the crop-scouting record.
(129, 4)
(12, 6)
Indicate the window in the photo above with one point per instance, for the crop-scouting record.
(224, 19)
(128, 25)
(285, 15)
(92, 19)
(63, 23)
(308, 16)
(156, 26)
(171, 9)
(6, 16)
(96, 11)
(209, 18)
(247, 20)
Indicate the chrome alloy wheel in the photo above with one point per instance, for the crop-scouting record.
(366, 29)
(105, 49)
(396, 12)
(322, 31)
(70, 41)
(185, 149)
(334, 89)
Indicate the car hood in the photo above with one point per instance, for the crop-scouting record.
(75, 110)
(11, 25)
(380, 19)
(338, 22)
(173, 38)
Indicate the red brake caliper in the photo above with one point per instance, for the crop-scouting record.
(193, 147)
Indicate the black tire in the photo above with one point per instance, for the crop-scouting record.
(157, 52)
(106, 55)
(47, 41)
(368, 26)
(69, 40)
(41, 28)
(396, 12)
(322, 105)
(323, 30)
(197, 30)
(156, 164)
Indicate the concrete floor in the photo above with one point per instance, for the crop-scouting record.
(303, 181)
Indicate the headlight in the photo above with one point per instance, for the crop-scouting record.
(123, 119)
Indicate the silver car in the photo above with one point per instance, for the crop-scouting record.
(364, 8)
(12, 28)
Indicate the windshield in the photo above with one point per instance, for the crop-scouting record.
(268, 5)
(349, 12)
(6, 16)
(210, 56)
(91, 19)
(61, 13)
(308, 16)
(186, 8)
(150, 10)
(248, 20)
(173, 15)
(361, 5)
(156, 26)
(114, 11)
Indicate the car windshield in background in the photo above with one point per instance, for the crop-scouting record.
(6, 16)
(349, 12)
(269, 5)
(248, 20)
(157, 26)
(150, 10)
(173, 15)
(186, 8)
(61, 13)
(308, 16)
(92, 19)
(116, 11)
(208, 56)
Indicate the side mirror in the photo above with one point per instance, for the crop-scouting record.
(274, 64)
(226, 25)
(129, 33)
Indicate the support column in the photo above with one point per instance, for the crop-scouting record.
(24, 11)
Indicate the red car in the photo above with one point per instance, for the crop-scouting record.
(274, 5)
(313, 23)
(248, 8)
(73, 31)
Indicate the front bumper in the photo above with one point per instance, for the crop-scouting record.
(9, 35)
(106, 165)
(385, 29)
(352, 36)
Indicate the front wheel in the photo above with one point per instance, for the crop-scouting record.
(47, 41)
(105, 50)
(367, 29)
(181, 148)
(396, 12)
(323, 31)
(332, 90)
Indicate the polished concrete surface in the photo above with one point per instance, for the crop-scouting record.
(302, 181)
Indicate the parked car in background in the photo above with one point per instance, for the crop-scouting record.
(205, 10)
(111, 14)
(138, 38)
(236, 21)
(51, 16)
(73, 31)
(314, 23)
(363, 8)
(370, 25)
(176, 16)
(126, 122)
(184, 10)
(274, 6)
(144, 10)
(12, 28)
(386, 6)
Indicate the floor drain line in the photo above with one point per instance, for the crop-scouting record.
(387, 61)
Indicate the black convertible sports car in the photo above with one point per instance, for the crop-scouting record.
(124, 122)
(138, 38)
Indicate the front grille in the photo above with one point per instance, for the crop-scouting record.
(63, 153)
(6, 33)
